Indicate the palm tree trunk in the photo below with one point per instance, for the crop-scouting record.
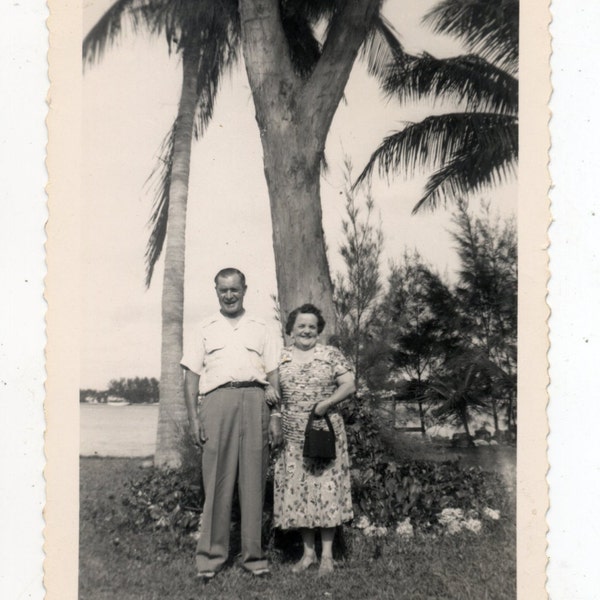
(172, 413)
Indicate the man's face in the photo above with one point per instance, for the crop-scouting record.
(230, 292)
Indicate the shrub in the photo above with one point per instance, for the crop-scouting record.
(164, 499)
(387, 490)
(384, 489)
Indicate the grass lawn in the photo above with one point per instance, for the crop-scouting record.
(119, 564)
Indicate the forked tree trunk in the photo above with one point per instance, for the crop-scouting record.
(294, 117)
(172, 415)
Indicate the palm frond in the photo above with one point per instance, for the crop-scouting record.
(160, 179)
(218, 54)
(489, 157)
(304, 48)
(109, 27)
(490, 29)
(429, 142)
(471, 79)
(382, 48)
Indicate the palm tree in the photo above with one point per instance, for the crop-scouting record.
(205, 35)
(297, 83)
(477, 146)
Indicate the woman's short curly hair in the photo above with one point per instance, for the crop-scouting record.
(305, 309)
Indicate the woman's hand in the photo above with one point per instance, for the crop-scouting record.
(346, 387)
(321, 408)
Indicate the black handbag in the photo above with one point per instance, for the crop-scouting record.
(319, 443)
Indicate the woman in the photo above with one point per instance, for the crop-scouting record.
(312, 494)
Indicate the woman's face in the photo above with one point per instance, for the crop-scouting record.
(305, 331)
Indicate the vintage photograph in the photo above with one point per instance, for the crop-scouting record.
(300, 299)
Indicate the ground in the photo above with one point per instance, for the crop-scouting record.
(125, 565)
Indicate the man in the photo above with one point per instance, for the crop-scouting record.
(232, 363)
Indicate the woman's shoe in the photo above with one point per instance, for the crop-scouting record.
(326, 565)
(304, 563)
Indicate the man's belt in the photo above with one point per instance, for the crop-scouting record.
(241, 384)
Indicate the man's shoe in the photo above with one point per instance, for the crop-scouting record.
(205, 576)
(263, 573)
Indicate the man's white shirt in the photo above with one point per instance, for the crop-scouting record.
(221, 350)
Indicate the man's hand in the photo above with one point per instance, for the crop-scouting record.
(197, 432)
(271, 396)
(275, 432)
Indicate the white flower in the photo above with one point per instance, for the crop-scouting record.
(404, 529)
(449, 515)
(473, 525)
(370, 531)
(492, 514)
(380, 531)
(453, 527)
(363, 522)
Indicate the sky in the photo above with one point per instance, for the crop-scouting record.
(130, 100)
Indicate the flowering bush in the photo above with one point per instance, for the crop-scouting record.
(387, 491)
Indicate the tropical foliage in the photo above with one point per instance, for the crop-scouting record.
(447, 348)
(476, 146)
(133, 389)
(487, 287)
(490, 29)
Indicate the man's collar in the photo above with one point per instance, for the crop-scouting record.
(220, 317)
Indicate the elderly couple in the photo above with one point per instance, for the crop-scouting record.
(254, 393)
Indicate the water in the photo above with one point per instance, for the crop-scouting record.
(118, 430)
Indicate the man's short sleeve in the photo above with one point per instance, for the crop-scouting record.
(272, 348)
(193, 351)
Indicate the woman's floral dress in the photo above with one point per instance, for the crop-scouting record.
(311, 492)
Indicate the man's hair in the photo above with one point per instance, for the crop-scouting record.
(230, 271)
(305, 309)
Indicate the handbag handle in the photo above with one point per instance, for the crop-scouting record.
(325, 416)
